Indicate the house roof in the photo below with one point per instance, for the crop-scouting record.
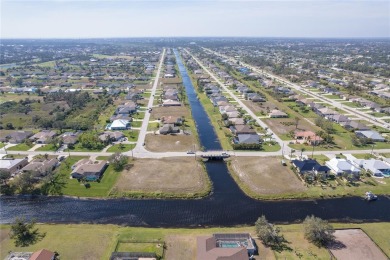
(42, 254)
(375, 166)
(207, 249)
(40, 165)
(306, 165)
(119, 123)
(341, 165)
(248, 139)
(374, 135)
(276, 112)
(8, 164)
(87, 166)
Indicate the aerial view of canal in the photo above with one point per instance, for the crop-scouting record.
(227, 205)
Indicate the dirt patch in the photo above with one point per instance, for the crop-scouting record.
(260, 106)
(355, 244)
(285, 125)
(159, 112)
(181, 247)
(170, 143)
(266, 175)
(164, 175)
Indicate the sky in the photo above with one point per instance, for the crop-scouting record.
(152, 18)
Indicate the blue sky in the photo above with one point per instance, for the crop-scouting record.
(131, 18)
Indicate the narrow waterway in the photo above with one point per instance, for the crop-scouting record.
(226, 206)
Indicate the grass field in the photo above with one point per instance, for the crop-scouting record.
(100, 240)
(257, 176)
(75, 188)
(132, 135)
(20, 147)
(47, 148)
(117, 148)
(164, 178)
(170, 143)
(364, 156)
(79, 148)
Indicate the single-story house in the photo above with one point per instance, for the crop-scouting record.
(354, 125)
(370, 134)
(171, 103)
(121, 116)
(341, 166)
(310, 167)
(236, 121)
(112, 136)
(377, 167)
(277, 114)
(43, 137)
(12, 165)
(88, 169)
(225, 247)
(41, 166)
(339, 118)
(309, 137)
(242, 129)
(172, 120)
(119, 124)
(169, 129)
(43, 254)
(70, 137)
(247, 139)
(16, 137)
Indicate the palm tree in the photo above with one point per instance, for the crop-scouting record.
(302, 150)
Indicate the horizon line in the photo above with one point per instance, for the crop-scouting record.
(162, 37)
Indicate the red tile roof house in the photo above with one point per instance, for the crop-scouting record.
(43, 255)
(91, 170)
(308, 137)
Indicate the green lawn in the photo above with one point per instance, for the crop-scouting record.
(20, 147)
(128, 246)
(79, 148)
(364, 156)
(320, 158)
(2, 145)
(332, 96)
(75, 188)
(47, 148)
(132, 135)
(136, 123)
(350, 104)
(379, 115)
(99, 241)
(116, 148)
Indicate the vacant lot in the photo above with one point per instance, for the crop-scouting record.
(170, 143)
(164, 177)
(159, 112)
(282, 126)
(265, 176)
(355, 244)
(259, 108)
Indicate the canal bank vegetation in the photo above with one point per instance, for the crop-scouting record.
(266, 178)
(87, 241)
(163, 178)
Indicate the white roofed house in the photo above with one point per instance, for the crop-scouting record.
(343, 166)
(377, 168)
(119, 124)
(12, 165)
(370, 134)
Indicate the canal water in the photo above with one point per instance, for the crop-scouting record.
(226, 206)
